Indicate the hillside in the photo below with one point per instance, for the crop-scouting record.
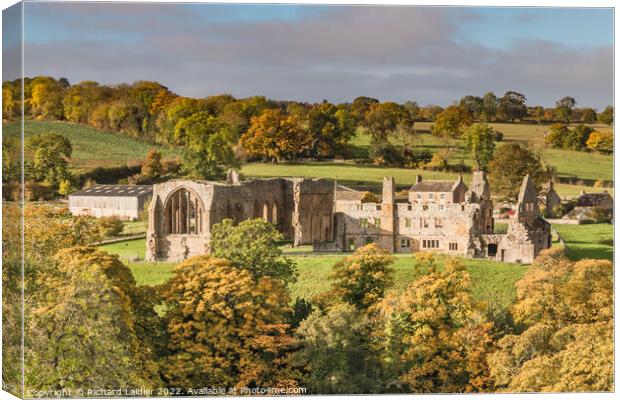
(91, 147)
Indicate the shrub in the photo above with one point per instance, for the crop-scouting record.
(369, 197)
(110, 226)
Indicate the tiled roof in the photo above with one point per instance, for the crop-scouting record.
(433, 186)
(115, 191)
(592, 199)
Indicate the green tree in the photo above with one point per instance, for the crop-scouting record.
(330, 130)
(473, 105)
(253, 245)
(48, 155)
(512, 106)
(538, 113)
(480, 142)
(208, 151)
(87, 321)
(363, 278)
(335, 354)
(564, 108)
(607, 116)
(381, 119)
(226, 328)
(511, 162)
(489, 106)
(577, 137)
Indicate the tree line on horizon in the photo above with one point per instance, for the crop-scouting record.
(219, 132)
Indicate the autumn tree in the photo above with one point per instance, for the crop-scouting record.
(603, 142)
(588, 116)
(363, 278)
(360, 106)
(227, 329)
(564, 108)
(152, 166)
(451, 123)
(434, 336)
(253, 245)
(46, 98)
(276, 136)
(511, 162)
(556, 135)
(473, 105)
(87, 322)
(537, 113)
(567, 344)
(480, 142)
(607, 116)
(48, 155)
(81, 99)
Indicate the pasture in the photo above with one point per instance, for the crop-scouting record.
(588, 241)
(91, 147)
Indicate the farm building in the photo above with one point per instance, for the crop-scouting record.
(123, 201)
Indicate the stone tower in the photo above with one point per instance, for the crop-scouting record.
(527, 204)
(388, 212)
(482, 196)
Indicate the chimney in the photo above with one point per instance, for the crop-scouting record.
(388, 190)
(418, 179)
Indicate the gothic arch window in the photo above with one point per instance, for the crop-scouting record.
(274, 214)
(183, 213)
(266, 212)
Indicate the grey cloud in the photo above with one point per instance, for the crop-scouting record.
(393, 53)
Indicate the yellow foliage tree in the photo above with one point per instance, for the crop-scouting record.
(567, 310)
(226, 328)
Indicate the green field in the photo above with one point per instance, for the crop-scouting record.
(91, 147)
(577, 164)
(350, 174)
(588, 241)
(493, 282)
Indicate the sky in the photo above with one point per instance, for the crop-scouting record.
(432, 55)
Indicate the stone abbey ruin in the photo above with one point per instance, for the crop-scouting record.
(443, 216)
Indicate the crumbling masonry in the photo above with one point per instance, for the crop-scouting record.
(440, 216)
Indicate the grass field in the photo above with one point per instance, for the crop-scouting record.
(493, 282)
(576, 164)
(366, 175)
(91, 147)
(588, 241)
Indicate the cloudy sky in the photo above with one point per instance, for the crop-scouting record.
(433, 55)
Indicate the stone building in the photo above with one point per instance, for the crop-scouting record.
(550, 200)
(123, 201)
(442, 216)
(182, 212)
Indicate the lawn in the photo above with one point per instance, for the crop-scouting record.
(91, 147)
(588, 241)
(493, 282)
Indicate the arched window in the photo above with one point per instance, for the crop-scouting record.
(183, 213)
(274, 214)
